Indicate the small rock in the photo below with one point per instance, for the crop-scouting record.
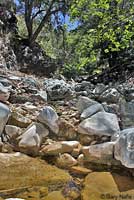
(59, 147)
(43, 95)
(65, 161)
(7, 148)
(99, 89)
(4, 93)
(80, 159)
(111, 108)
(80, 170)
(19, 120)
(29, 107)
(12, 131)
(76, 151)
(1, 145)
(86, 139)
(67, 130)
(71, 191)
(71, 144)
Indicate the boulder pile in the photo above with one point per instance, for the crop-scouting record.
(72, 123)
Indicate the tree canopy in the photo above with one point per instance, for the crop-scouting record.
(38, 13)
(104, 31)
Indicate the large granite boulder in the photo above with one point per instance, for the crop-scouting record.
(4, 115)
(124, 148)
(49, 117)
(102, 123)
(104, 185)
(58, 89)
(21, 171)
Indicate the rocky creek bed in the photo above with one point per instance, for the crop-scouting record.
(65, 140)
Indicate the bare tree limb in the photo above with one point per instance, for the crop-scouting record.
(37, 13)
(45, 18)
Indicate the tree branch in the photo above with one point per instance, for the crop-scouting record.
(37, 13)
(45, 18)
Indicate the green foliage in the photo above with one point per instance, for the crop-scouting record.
(107, 26)
(106, 30)
(22, 30)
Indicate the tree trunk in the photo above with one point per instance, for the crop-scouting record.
(44, 20)
(38, 30)
(28, 19)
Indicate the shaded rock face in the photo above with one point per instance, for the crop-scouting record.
(7, 31)
(124, 148)
(29, 57)
(7, 55)
(15, 52)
